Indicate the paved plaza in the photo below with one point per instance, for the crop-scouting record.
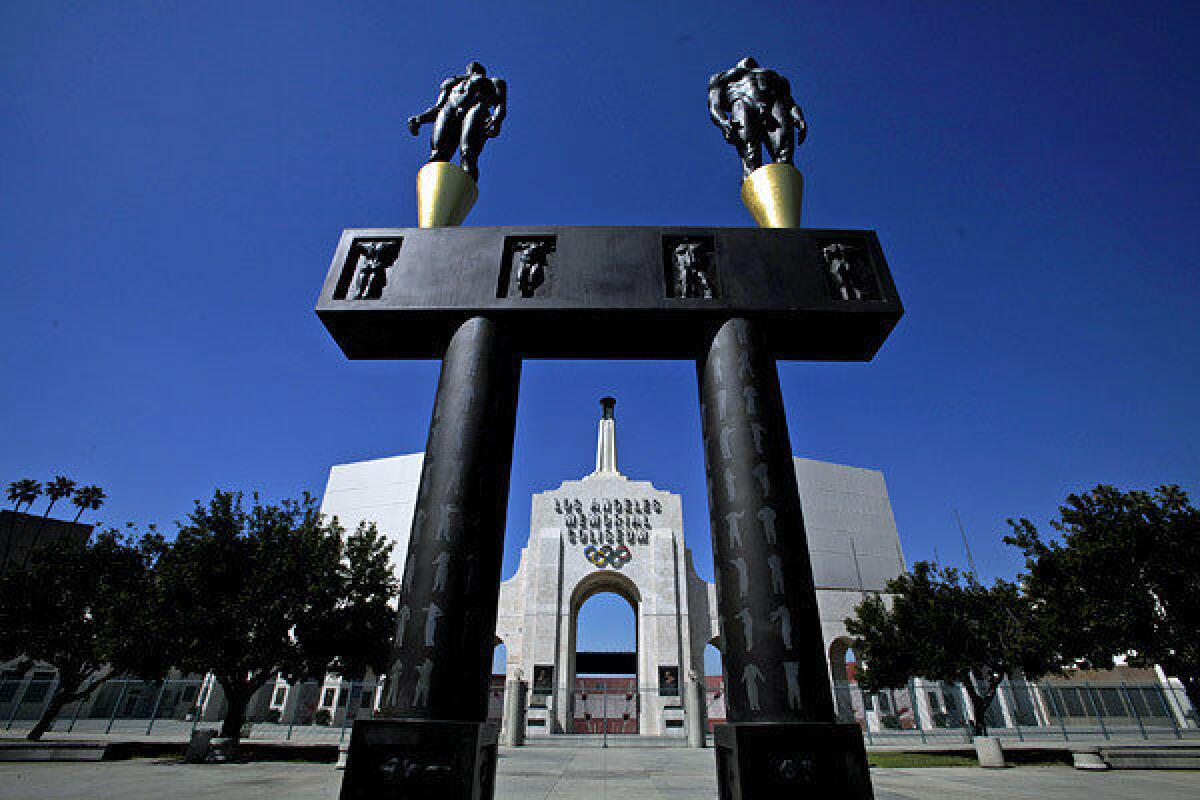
(566, 774)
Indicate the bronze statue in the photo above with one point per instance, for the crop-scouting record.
(753, 107)
(691, 277)
(468, 112)
(372, 270)
(531, 271)
(841, 272)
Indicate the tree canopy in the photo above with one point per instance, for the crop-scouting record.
(354, 632)
(941, 625)
(1121, 579)
(251, 592)
(84, 610)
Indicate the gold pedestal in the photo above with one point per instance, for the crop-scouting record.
(445, 193)
(773, 193)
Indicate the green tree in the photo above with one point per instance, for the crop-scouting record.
(237, 584)
(88, 498)
(941, 625)
(1123, 579)
(85, 610)
(351, 632)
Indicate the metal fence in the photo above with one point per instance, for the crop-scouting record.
(314, 711)
(324, 711)
(1022, 710)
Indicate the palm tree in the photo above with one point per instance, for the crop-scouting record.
(88, 498)
(56, 490)
(24, 491)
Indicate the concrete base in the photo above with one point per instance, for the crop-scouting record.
(52, 751)
(514, 713)
(768, 760)
(420, 759)
(224, 749)
(989, 752)
(1087, 758)
(1151, 757)
(199, 746)
(620, 740)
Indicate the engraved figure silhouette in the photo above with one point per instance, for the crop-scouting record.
(784, 618)
(418, 524)
(432, 612)
(402, 622)
(776, 566)
(722, 404)
(744, 368)
(751, 396)
(421, 693)
(751, 677)
(764, 478)
(743, 576)
(792, 670)
(442, 564)
(766, 515)
(757, 431)
(448, 511)
(730, 486)
(747, 627)
(731, 521)
(718, 370)
(726, 449)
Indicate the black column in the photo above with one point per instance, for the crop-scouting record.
(451, 585)
(773, 648)
(781, 739)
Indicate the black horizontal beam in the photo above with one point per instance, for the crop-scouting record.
(605, 292)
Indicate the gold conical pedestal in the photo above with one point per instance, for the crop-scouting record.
(445, 194)
(773, 193)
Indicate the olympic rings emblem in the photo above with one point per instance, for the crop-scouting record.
(608, 556)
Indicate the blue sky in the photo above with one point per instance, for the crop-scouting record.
(175, 177)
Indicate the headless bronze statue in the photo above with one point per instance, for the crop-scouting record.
(754, 108)
(468, 112)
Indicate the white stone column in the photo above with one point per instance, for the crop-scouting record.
(1177, 699)
(1006, 711)
(920, 692)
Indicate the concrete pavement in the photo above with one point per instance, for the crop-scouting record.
(567, 774)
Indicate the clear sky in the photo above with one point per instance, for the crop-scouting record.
(175, 176)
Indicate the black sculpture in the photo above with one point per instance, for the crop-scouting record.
(691, 275)
(845, 282)
(372, 269)
(531, 260)
(468, 112)
(753, 107)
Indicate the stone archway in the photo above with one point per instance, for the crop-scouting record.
(619, 705)
(844, 683)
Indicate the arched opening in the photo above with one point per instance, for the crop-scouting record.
(843, 665)
(603, 661)
(496, 683)
(714, 684)
(848, 701)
